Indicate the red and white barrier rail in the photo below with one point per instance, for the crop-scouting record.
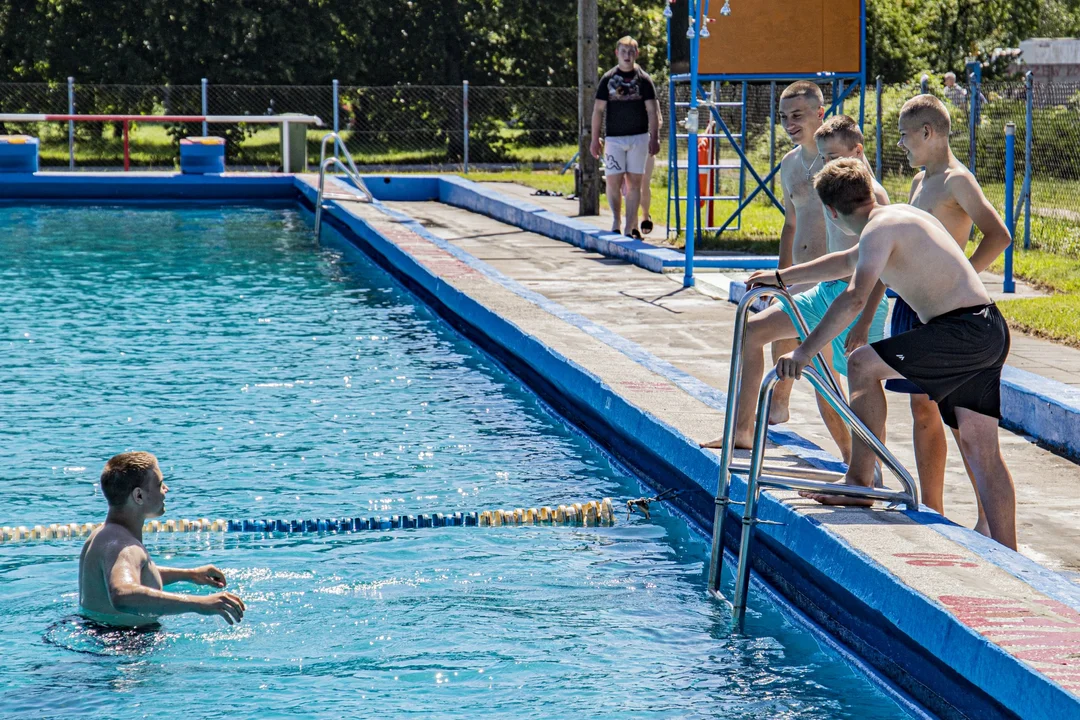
(284, 120)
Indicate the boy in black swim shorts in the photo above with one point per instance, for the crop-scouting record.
(946, 189)
(956, 359)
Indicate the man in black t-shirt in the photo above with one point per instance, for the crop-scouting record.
(627, 93)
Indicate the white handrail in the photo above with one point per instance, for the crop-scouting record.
(350, 172)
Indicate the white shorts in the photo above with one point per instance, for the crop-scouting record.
(626, 154)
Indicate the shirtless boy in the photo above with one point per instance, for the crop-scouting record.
(947, 190)
(955, 355)
(836, 138)
(118, 582)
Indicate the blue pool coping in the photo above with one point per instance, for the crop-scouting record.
(798, 559)
(915, 643)
(1044, 409)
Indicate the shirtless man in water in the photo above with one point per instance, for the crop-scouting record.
(118, 582)
(947, 190)
(955, 355)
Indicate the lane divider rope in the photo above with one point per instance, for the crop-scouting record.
(590, 513)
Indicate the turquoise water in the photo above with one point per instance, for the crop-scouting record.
(274, 377)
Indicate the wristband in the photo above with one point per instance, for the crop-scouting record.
(779, 281)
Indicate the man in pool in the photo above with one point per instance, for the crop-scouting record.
(838, 137)
(954, 355)
(118, 582)
(946, 189)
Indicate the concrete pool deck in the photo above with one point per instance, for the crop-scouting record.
(692, 331)
(583, 308)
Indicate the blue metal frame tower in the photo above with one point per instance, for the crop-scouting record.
(844, 85)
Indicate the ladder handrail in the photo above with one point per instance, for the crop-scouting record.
(754, 481)
(734, 383)
(350, 172)
(339, 142)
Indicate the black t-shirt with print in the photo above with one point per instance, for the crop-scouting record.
(626, 93)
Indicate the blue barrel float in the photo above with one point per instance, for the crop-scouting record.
(18, 154)
(202, 155)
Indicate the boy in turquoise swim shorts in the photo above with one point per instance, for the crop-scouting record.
(838, 137)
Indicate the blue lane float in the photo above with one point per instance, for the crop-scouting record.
(590, 513)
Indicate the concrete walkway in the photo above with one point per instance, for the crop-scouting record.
(1052, 361)
(692, 331)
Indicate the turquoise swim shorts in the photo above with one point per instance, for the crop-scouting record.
(816, 301)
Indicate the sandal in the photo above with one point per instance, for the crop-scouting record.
(646, 227)
(635, 233)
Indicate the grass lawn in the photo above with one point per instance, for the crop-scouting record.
(152, 146)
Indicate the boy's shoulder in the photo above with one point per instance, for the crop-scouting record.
(958, 174)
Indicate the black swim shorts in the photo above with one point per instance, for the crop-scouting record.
(956, 359)
(903, 319)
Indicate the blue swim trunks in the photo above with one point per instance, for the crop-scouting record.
(813, 305)
(903, 319)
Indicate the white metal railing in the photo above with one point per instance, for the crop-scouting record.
(777, 476)
(350, 172)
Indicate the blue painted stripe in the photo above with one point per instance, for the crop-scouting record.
(465, 194)
(83, 187)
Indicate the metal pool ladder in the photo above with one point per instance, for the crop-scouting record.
(779, 477)
(350, 172)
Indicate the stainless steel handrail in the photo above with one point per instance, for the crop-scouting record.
(350, 172)
(734, 383)
(755, 481)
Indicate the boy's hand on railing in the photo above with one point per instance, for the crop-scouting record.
(790, 366)
(761, 278)
(858, 335)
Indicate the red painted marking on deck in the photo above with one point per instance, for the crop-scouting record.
(646, 386)
(922, 559)
(431, 256)
(1047, 637)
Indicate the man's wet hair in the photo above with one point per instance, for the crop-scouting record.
(804, 89)
(844, 185)
(927, 110)
(840, 127)
(125, 472)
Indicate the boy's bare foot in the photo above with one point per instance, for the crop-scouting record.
(845, 500)
(778, 413)
(741, 443)
(982, 527)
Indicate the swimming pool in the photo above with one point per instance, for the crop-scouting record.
(274, 377)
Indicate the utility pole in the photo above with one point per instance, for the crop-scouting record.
(588, 61)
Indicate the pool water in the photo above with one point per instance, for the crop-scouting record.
(274, 377)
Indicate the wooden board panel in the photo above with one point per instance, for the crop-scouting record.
(841, 35)
(782, 36)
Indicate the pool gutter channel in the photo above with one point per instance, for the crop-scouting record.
(789, 563)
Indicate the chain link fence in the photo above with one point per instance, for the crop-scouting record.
(412, 125)
(1054, 223)
(398, 125)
